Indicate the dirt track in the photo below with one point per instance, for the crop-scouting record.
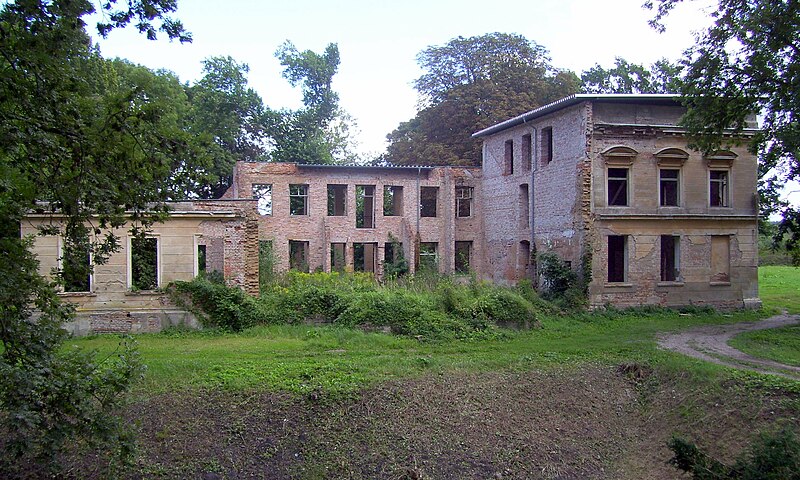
(710, 343)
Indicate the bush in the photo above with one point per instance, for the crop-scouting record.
(216, 305)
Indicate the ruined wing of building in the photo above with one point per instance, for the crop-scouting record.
(606, 182)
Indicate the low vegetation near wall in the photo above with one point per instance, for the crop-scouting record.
(432, 307)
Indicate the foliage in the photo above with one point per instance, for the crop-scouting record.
(95, 143)
(217, 305)
(226, 117)
(469, 84)
(771, 456)
(626, 77)
(557, 276)
(743, 64)
(320, 132)
(399, 265)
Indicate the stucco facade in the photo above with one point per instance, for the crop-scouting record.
(605, 181)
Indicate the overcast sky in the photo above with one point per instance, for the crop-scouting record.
(378, 42)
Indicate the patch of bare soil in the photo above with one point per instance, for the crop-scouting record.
(593, 422)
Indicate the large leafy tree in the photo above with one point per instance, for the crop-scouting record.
(95, 143)
(469, 84)
(320, 131)
(626, 77)
(748, 61)
(225, 118)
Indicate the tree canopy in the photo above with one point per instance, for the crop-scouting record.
(469, 84)
(626, 77)
(747, 62)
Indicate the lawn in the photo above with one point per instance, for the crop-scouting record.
(779, 287)
(779, 344)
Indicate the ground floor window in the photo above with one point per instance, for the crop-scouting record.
(670, 258)
(144, 263)
(76, 266)
(337, 257)
(266, 262)
(463, 255)
(428, 257)
(720, 258)
(617, 258)
(364, 257)
(298, 255)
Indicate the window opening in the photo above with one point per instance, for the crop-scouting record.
(524, 206)
(364, 257)
(668, 187)
(365, 206)
(617, 254)
(298, 199)
(463, 255)
(508, 159)
(337, 257)
(144, 263)
(392, 201)
(428, 258)
(670, 258)
(76, 265)
(201, 259)
(266, 263)
(527, 149)
(298, 255)
(337, 200)
(464, 201)
(428, 199)
(263, 193)
(547, 145)
(719, 188)
(618, 187)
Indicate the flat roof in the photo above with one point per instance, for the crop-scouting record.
(370, 167)
(645, 98)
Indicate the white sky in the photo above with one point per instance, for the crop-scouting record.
(379, 40)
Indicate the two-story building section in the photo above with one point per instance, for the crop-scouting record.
(608, 183)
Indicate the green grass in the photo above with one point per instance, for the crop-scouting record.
(779, 344)
(779, 287)
(337, 360)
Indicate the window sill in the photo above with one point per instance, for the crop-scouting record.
(143, 293)
(77, 294)
(720, 284)
(618, 285)
(670, 284)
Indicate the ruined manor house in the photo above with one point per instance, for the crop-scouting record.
(607, 182)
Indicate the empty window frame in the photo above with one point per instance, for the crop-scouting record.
(720, 258)
(618, 187)
(508, 158)
(263, 193)
(337, 200)
(428, 256)
(617, 258)
(670, 258)
(144, 263)
(365, 206)
(266, 262)
(427, 203)
(394, 261)
(364, 257)
(524, 206)
(524, 254)
(202, 256)
(668, 187)
(718, 188)
(298, 255)
(464, 202)
(75, 262)
(392, 201)
(527, 150)
(338, 260)
(298, 199)
(547, 145)
(463, 252)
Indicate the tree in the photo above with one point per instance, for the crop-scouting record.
(625, 77)
(95, 143)
(744, 63)
(226, 117)
(469, 84)
(320, 131)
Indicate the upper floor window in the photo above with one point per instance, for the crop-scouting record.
(668, 185)
(428, 198)
(298, 199)
(263, 193)
(365, 206)
(618, 187)
(463, 201)
(392, 201)
(718, 188)
(547, 145)
(527, 149)
(508, 158)
(337, 201)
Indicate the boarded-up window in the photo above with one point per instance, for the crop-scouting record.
(508, 158)
(364, 259)
(527, 149)
(337, 257)
(670, 258)
(144, 263)
(668, 187)
(464, 201)
(617, 187)
(392, 201)
(720, 258)
(463, 256)
(524, 206)
(298, 199)
(337, 200)
(365, 206)
(298, 255)
(547, 145)
(263, 193)
(617, 258)
(428, 199)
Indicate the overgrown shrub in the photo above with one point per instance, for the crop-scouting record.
(218, 306)
(557, 276)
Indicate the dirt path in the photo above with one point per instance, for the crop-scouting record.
(710, 343)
